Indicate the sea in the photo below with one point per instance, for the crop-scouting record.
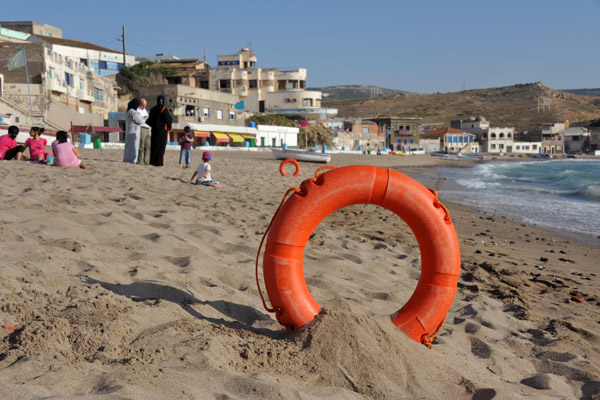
(561, 195)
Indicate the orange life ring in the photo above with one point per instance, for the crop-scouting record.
(424, 313)
(286, 161)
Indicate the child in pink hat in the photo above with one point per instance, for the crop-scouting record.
(204, 172)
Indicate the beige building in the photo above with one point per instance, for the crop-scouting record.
(194, 105)
(450, 140)
(266, 90)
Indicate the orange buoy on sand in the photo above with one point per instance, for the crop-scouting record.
(285, 162)
(424, 313)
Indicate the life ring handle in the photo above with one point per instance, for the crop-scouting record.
(287, 161)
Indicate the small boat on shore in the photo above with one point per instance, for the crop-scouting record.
(310, 155)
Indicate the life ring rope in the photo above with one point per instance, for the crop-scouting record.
(285, 196)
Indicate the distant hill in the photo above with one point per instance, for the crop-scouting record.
(348, 92)
(515, 105)
(583, 92)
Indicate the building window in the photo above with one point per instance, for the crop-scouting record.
(98, 94)
(307, 102)
(493, 136)
(80, 84)
(253, 83)
(534, 147)
(190, 111)
(232, 115)
(318, 102)
(518, 147)
(493, 146)
(219, 114)
(203, 84)
(508, 135)
(206, 112)
(50, 72)
(69, 79)
(224, 84)
(102, 64)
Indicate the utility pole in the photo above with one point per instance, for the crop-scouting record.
(124, 50)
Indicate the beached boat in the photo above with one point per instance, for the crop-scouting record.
(311, 155)
(470, 156)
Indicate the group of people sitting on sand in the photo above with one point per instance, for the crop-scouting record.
(64, 154)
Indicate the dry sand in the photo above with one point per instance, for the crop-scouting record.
(124, 282)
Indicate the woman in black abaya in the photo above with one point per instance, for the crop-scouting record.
(160, 122)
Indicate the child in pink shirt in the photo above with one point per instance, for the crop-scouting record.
(36, 144)
(65, 155)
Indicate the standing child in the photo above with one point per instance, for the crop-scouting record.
(36, 144)
(65, 154)
(186, 141)
(204, 172)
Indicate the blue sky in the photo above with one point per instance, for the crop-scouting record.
(422, 46)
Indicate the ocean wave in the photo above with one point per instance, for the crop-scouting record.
(592, 193)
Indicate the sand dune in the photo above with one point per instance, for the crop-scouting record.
(126, 282)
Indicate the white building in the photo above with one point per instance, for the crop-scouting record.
(526, 147)
(277, 136)
(266, 90)
(498, 140)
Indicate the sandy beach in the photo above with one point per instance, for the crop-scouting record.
(124, 282)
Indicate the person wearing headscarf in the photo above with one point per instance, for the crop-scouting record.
(160, 124)
(133, 122)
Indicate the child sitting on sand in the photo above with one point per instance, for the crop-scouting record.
(36, 144)
(204, 172)
(65, 154)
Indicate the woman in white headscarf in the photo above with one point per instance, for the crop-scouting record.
(133, 122)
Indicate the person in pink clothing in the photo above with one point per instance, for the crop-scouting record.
(65, 155)
(9, 148)
(36, 144)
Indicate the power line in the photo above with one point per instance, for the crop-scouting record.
(136, 43)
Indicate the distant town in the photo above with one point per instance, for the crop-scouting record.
(65, 84)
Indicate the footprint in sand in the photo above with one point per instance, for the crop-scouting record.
(182, 262)
(539, 381)
(484, 394)
(136, 215)
(480, 348)
(472, 328)
(555, 356)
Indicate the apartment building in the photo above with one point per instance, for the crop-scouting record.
(266, 90)
(66, 79)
